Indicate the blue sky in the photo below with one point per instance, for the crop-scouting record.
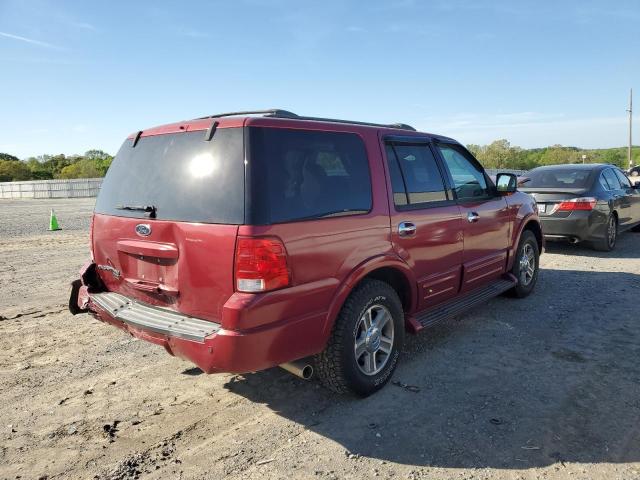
(77, 75)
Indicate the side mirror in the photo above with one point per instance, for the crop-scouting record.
(506, 183)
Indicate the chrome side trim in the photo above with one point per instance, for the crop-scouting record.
(155, 319)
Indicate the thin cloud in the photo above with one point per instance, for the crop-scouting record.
(192, 33)
(83, 26)
(80, 128)
(29, 40)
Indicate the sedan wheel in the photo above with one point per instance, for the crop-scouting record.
(612, 231)
(608, 243)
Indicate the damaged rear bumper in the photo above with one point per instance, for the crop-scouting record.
(205, 343)
(154, 319)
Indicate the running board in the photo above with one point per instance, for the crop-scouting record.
(460, 305)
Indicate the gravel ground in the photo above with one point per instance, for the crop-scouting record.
(546, 387)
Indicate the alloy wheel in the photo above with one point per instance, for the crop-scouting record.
(374, 340)
(527, 265)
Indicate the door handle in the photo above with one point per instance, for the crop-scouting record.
(472, 217)
(406, 229)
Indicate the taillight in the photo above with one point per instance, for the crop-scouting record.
(584, 203)
(261, 265)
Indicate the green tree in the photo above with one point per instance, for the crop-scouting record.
(498, 154)
(38, 170)
(12, 171)
(6, 156)
(557, 155)
(102, 160)
(614, 157)
(84, 168)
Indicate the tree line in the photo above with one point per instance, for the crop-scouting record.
(501, 154)
(93, 164)
(498, 154)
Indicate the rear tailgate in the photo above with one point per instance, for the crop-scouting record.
(185, 266)
(178, 253)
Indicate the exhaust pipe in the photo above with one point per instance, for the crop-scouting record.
(300, 368)
(573, 240)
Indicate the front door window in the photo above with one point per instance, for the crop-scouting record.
(469, 182)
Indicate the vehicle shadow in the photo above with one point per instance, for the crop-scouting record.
(515, 384)
(623, 248)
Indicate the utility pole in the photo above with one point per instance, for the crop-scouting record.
(630, 116)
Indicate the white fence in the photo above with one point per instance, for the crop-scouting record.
(87, 187)
(78, 187)
(495, 171)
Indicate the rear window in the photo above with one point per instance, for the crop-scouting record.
(560, 178)
(185, 177)
(305, 174)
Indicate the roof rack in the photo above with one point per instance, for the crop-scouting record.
(272, 112)
(279, 113)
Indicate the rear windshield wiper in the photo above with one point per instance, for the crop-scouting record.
(150, 209)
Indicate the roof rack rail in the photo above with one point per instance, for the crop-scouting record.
(279, 113)
(272, 112)
(402, 126)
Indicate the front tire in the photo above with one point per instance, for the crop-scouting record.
(526, 265)
(365, 343)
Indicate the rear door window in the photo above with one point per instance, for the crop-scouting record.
(612, 180)
(415, 177)
(603, 182)
(182, 175)
(624, 181)
(305, 174)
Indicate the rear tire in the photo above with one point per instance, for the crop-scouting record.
(526, 265)
(608, 243)
(365, 342)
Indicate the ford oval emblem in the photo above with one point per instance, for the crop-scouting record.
(143, 229)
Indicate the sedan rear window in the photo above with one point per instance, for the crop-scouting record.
(305, 174)
(558, 178)
(181, 176)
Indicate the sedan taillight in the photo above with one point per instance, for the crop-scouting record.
(583, 203)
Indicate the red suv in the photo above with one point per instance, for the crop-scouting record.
(248, 240)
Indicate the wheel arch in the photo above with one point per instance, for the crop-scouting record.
(391, 270)
(533, 225)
